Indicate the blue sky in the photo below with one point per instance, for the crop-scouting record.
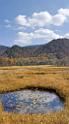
(30, 22)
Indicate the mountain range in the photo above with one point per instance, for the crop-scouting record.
(56, 52)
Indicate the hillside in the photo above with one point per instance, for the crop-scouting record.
(3, 50)
(55, 52)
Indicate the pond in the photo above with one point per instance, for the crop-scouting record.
(31, 102)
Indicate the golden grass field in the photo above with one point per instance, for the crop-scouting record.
(50, 77)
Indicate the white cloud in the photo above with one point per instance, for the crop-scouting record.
(64, 12)
(43, 18)
(58, 19)
(23, 38)
(21, 20)
(46, 35)
(40, 19)
(37, 19)
(66, 35)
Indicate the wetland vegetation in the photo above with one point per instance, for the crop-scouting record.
(50, 78)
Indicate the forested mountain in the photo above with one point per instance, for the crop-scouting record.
(55, 52)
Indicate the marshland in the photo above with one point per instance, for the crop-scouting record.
(36, 79)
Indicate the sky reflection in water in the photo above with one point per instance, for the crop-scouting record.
(30, 102)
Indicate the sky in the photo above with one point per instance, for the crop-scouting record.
(32, 22)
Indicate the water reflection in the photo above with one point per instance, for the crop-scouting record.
(29, 102)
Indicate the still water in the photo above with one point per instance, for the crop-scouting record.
(31, 102)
